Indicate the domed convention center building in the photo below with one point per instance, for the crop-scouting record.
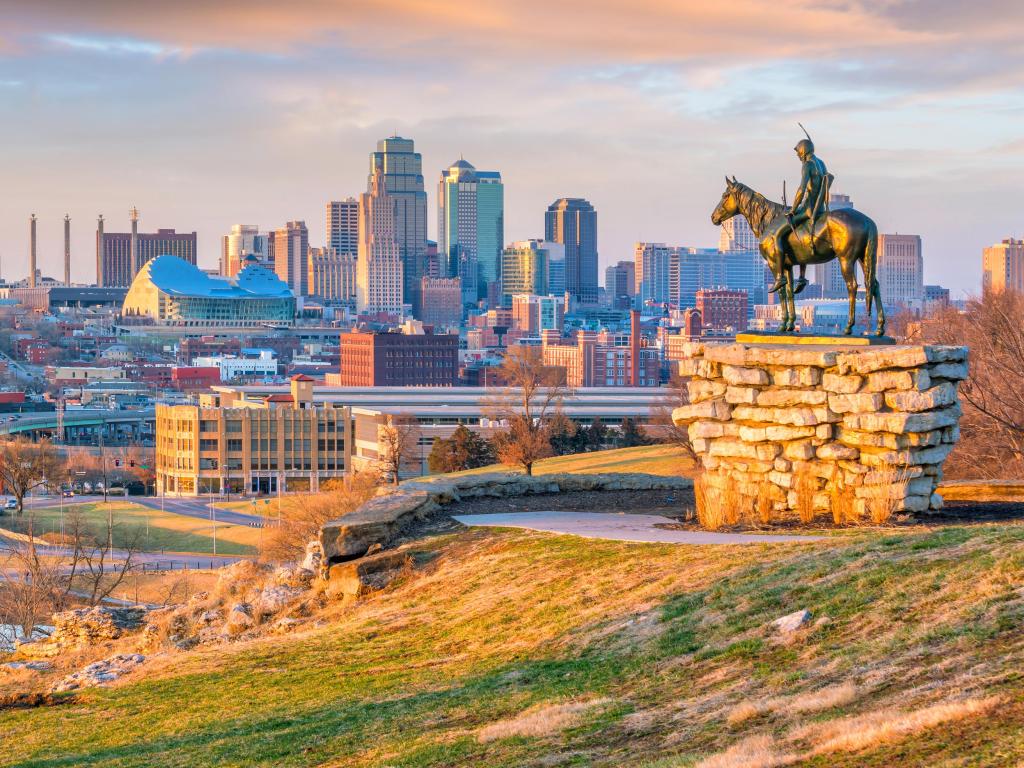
(169, 291)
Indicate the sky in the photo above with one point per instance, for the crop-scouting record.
(204, 114)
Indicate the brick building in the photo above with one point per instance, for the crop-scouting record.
(722, 308)
(410, 358)
(601, 360)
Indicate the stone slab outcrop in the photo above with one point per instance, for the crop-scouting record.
(777, 420)
(382, 519)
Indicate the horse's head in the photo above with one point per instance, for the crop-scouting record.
(729, 205)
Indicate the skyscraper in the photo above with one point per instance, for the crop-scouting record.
(736, 235)
(291, 248)
(402, 169)
(1002, 267)
(243, 240)
(343, 225)
(379, 268)
(828, 275)
(332, 276)
(900, 269)
(651, 262)
(470, 226)
(525, 268)
(572, 222)
(620, 283)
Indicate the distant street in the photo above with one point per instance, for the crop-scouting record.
(189, 507)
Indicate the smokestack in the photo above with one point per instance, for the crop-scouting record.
(134, 216)
(32, 253)
(634, 348)
(99, 253)
(67, 249)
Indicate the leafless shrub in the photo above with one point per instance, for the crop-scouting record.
(842, 502)
(805, 486)
(764, 504)
(710, 514)
(885, 499)
(399, 438)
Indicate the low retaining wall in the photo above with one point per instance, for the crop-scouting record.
(382, 519)
(872, 422)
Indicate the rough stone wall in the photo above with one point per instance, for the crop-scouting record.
(772, 420)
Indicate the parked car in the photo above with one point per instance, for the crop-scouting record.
(68, 494)
(11, 504)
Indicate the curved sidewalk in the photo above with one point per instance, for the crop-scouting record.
(621, 527)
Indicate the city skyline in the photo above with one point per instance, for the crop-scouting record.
(202, 118)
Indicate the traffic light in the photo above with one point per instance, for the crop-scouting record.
(117, 462)
(131, 462)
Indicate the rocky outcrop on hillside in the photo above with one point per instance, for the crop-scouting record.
(383, 519)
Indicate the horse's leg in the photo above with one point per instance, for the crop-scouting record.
(849, 269)
(880, 310)
(788, 298)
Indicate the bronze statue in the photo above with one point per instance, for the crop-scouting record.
(808, 233)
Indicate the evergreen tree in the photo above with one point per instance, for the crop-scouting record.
(562, 434)
(632, 434)
(465, 449)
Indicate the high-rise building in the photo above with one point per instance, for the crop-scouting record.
(243, 240)
(533, 314)
(379, 266)
(525, 266)
(736, 235)
(402, 169)
(620, 283)
(343, 225)
(691, 269)
(828, 275)
(1002, 267)
(651, 263)
(900, 269)
(470, 226)
(115, 252)
(572, 222)
(442, 301)
(332, 276)
(291, 253)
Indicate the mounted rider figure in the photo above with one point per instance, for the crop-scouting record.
(810, 205)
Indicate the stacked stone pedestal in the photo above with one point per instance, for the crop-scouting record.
(777, 421)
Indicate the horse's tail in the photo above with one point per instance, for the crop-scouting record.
(870, 264)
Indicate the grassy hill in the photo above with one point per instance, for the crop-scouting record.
(511, 648)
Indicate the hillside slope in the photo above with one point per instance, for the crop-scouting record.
(509, 648)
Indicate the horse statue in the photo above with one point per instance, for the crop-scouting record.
(845, 234)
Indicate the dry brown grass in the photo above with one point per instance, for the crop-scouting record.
(753, 752)
(540, 720)
(805, 486)
(881, 507)
(717, 507)
(841, 501)
(710, 514)
(852, 734)
(811, 701)
(764, 504)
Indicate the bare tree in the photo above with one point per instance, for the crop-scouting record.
(677, 394)
(26, 465)
(399, 440)
(534, 395)
(992, 426)
(305, 514)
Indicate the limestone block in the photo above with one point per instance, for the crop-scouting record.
(836, 452)
(937, 397)
(767, 451)
(781, 479)
(951, 371)
(716, 410)
(863, 403)
(886, 477)
(900, 423)
(706, 429)
(790, 397)
(798, 451)
(882, 358)
(934, 455)
(871, 439)
(783, 465)
(701, 389)
(741, 395)
(781, 354)
(698, 367)
(807, 416)
(913, 504)
(853, 468)
(886, 380)
(752, 466)
(738, 375)
(921, 486)
(785, 433)
(803, 376)
(951, 434)
(923, 439)
(946, 354)
(732, 429)
(936, 502)
(824, 431)
(735, 448)
(700, 445)
(845, 385)
(753, 434)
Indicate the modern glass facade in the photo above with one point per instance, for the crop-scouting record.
(572, 222)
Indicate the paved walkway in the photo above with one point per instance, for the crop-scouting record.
(621, 527)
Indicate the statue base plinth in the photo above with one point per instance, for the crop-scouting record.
(821, 339)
